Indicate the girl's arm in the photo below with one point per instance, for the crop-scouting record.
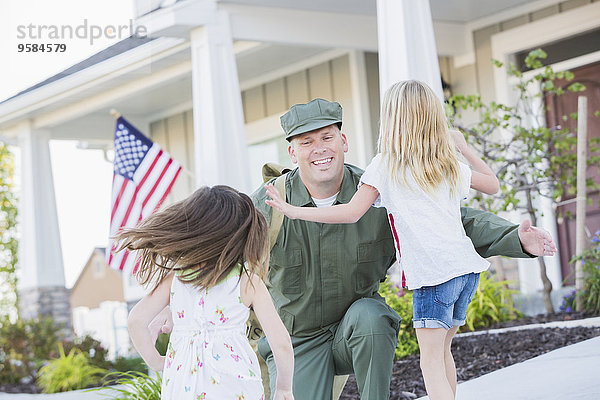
(256, 295)
(339, 214)
(140, 317)
(482, 177)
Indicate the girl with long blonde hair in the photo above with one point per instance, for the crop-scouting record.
(418, 178)
(205, 257)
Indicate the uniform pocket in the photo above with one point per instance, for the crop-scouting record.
(370, 257)
(286, 270)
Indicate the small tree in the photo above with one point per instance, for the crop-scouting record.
(530, 159)
(8, 240)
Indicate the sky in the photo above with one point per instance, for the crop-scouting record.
(84, 208)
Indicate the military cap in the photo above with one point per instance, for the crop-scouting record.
(318, 113)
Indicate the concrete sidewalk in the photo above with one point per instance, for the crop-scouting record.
(571, 372)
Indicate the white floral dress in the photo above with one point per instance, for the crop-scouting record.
(208, 356)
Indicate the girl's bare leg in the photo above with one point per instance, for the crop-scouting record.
(431, 344)
(449, 360)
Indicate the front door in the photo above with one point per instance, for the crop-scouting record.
(589, 75)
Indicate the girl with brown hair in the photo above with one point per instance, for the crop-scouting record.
(205, 257)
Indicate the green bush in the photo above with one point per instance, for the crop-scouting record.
(569, 302)
(591, 270)
(69, 372)
(133, 364)
(24, 346)
(15, 357)
(591, 291)
(492, 303)
(134, 386)
(162, 342)
(401, 301)
(92, 348)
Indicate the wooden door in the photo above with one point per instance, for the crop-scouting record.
(589, 75)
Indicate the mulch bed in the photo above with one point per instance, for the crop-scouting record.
(481, 354)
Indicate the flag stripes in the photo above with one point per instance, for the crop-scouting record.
(144, 175)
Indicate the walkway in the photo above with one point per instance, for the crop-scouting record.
(571, 372)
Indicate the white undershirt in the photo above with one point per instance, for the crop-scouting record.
(328, 202)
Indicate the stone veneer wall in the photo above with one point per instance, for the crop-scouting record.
(47, 301)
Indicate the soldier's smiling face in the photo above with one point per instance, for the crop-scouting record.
(319, 155)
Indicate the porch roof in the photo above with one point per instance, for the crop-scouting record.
(116, 49)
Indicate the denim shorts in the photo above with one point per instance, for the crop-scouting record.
(444, 305)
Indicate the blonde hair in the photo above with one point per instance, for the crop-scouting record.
(204, 237)
(413, 135)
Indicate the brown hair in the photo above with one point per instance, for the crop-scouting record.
(204, 236)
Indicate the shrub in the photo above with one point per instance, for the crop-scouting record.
(92, 348)
(68, 372)
(15, 358)
(134, 386)
(162, 342)
(24, 346)
(590, 294)
(136, 364)
(492, 303)
(401, 301)
(568, 304)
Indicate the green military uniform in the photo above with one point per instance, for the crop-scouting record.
(324, 279)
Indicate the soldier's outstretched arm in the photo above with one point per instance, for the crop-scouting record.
(492, 236)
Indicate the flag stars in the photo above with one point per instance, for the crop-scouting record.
(130, 150)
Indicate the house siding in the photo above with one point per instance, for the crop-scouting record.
(92, 289)
(481, 81)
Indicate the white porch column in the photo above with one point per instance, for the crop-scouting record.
(41, 279)
(220, 150)
(360, 107)
(406, 44)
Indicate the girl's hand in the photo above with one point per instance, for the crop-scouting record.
(459, 140)
(278, 203)
(283, 395)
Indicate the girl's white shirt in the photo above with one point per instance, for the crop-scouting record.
(433, 245)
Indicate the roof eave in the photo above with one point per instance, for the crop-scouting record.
(29, 104)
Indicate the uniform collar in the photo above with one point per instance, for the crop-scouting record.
(302, 198)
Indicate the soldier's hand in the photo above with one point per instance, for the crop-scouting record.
(162, 323)
(536, 241)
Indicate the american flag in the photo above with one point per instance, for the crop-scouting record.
(143, 176)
